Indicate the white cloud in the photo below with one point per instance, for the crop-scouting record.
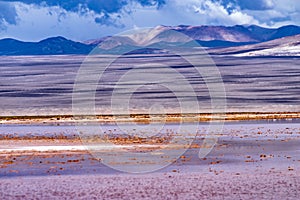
(218, 14)
(199, 12)
(269, 3)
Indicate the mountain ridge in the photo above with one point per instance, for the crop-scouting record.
(206, 36)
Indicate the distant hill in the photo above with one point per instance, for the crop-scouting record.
(50, 46)
(160, 36)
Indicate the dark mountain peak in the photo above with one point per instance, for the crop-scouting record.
(10, 41)
(239, 26)
(55, 39)
(183, 26)
(285, 31)
(50, 46)
(289, 27)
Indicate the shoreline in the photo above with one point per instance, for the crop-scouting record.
(146, 118)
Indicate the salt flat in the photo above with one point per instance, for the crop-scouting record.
(43, 85)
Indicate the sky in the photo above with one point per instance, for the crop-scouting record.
(80, 20)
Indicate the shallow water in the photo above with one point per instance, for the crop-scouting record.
(241, 147)
(250, 129)
(69, 130)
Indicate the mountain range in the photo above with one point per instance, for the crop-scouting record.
(238, 40)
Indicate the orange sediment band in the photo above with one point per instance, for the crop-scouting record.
(146, 118)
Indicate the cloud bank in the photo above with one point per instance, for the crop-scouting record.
(84, 19)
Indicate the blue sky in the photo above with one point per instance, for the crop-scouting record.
(33, 20)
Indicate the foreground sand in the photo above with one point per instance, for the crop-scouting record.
(252, 160)
(247, 185)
